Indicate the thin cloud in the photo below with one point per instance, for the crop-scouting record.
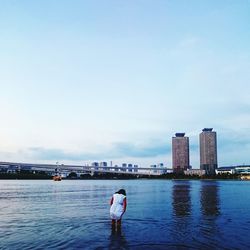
(131, 150)
(117, 150)
(54, 154)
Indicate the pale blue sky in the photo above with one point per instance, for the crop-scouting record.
(115, 80)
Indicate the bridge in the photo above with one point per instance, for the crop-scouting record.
(85, 169)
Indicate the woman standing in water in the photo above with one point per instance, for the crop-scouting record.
(118, 207)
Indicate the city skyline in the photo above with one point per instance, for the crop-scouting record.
(85, 81)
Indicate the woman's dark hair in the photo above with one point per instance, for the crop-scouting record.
(121, 191)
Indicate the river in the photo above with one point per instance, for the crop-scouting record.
(161, 214)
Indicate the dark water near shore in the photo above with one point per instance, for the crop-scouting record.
(161, 214)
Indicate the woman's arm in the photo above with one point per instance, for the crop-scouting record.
(124, 205)
(111, 201)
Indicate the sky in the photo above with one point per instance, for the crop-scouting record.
(114, 80)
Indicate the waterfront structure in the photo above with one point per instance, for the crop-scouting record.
(163, 171)
(225, 170)
(239, 169)
(168, 171)
(192, 172)
(208, 151)
(161, 165)
(154, 166)
(242, 170)
(180, 153)
(76, 170)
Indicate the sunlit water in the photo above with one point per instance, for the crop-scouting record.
(161, 214)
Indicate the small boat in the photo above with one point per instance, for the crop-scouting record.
(57, 178)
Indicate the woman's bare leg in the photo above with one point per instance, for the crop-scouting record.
(119, 223)
(113, 225)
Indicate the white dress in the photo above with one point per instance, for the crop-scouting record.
(116, 209)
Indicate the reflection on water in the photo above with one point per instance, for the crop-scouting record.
(181, 203)
(210, 210)
(117, 239)
(209, 198)
(181, 199)
(161, 214)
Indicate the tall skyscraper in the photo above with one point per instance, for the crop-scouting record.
(208, 150)
(180, 152)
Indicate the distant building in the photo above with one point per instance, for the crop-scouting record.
(208, 151)
(161, 166)
(168, 171)
(124, 167)
(242, 170)
(130, 167)
(135, 168)
(198, 172)
(95, 165)
(225, 170)
(154, 168)
(103, 165)
(180, 152)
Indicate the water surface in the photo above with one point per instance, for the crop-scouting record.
(161, 214)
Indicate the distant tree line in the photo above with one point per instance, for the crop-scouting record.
(41, 175)
(25, 175)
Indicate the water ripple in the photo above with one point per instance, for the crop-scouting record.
(160, 215)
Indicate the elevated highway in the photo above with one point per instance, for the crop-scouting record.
(84, 168)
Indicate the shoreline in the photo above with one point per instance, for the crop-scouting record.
(44, 176)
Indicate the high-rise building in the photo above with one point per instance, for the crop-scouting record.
(208, 151)
(130, 166)
(124, 167)
(180, 152)
(95, 165)
(135, 168)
